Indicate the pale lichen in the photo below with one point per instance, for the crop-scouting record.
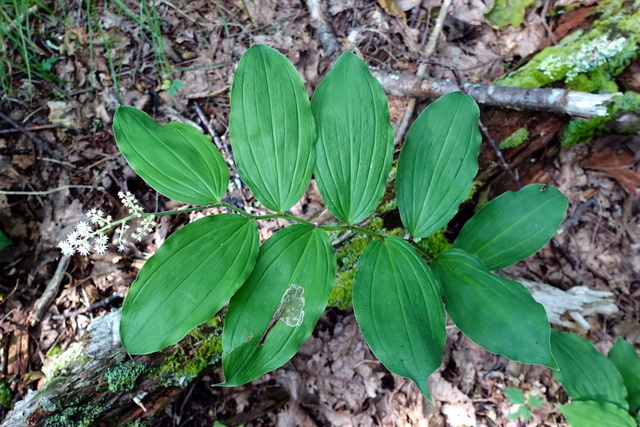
(122, 377)
(588, 61)
(587, 57)
(599, 54)
(59, 362)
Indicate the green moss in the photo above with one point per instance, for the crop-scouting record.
(515, 139)
(122, 377)
(589, 62)
(435, 244)
(475, 186)
(348, 254)
(6, 396)
(597, 55)
(75, 415)
(179, 368)
(342, 290)
(584, 130)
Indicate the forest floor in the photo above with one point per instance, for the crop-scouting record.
(176, 61)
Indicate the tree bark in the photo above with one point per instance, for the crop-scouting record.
(79, 391)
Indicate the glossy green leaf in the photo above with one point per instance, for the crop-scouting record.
(191, 276)
(397, 303)
(589, 413)
(355, 139)
(278, 306)
(4, 241)
(513, 226)
(438, 163)
(497, 314)
(515, 395)
(272, 130)
(175, 159)
(624, 356)
(585, 373)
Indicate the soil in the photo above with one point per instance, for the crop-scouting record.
(59, 159)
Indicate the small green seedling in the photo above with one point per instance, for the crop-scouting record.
(171, 86)
(4, 241)
(522, 403)
(276, 291)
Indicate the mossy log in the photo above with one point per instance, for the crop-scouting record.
(96, 383)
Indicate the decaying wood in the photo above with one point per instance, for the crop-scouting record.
(576, 303)
(525, 159)
(82, 383)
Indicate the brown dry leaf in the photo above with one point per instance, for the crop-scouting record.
(617, 166)
(469, 11)
(18, 354)
(81, 35)
(23, 161)
(607, 160)
(628, 179)
(392, 9)
(523, 41)
(64, 113)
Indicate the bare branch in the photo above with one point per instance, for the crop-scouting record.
(561, 101)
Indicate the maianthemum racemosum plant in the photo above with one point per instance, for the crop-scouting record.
(277, 291)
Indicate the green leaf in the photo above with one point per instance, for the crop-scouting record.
(397, 303)
(507, 12)
(4, 241)
(624, 356)
(585, 373)
(522, 411)
(191, 276)
(272, 130)
(175, 159)
(515, 395)
(591, 413)
(497, 314)
(513, 226)
(535, 401)
(278, 306)
(355, 139)
(438, 163)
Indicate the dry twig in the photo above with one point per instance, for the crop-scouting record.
(91, 307)
(35, 128)
(50, 291)
(45, 192)
(40, 144)
(422, 68)
(573, 103)
(561, 101)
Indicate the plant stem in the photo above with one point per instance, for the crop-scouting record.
(286, 216)
(154, 214)
(352, 228)
(420, 250)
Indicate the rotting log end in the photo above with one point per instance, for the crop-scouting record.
(587, 104)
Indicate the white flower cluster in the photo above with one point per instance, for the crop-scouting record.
(84, 238)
